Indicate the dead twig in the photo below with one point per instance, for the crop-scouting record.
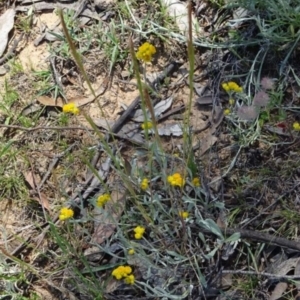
(56, 77)
(259, 237)
(53, 164)
(11, 51)
(288, 277)
(45, 128)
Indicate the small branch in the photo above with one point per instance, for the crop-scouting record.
(44, 128)
(11, 51)
(264, 237)
(290, 277)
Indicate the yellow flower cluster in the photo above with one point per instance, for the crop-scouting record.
(146, 52)
(144, 184)
(231, 86)
(176, 180)
(139, 232)
(66, 213)
(296, 126)
(226, 112)
(184, 214)
(231, 101)
(71, 108)
(124, 272)
(131, 251)
(101, 201)
(129, 279)
(196, 182)
(147, 125)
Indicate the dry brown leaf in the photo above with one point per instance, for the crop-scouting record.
(106, 220)
(43, 200)
(6, 25)
(78, 101)
(48, 101)
(278, 291)
(297, 273)
(111, 285)
(286, 266)
(282, 269)
(227, 280)
(30, 179)
(207, 142)
(42, 292)
(83, 100)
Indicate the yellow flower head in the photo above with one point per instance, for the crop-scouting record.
(131, 251)
(231, 101)
(71, 108)
(176, 180)
(226, 112)
(145, 52)
(296, 126)
(144, 184)
(102, 199)
(196, 182)
(225, 86)
(231, 86)
(147, 125)
(184, 214)
(121, 272)
(139, 232)
(129, 279)
(66, 213)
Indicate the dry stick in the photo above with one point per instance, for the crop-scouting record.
(45, 128)
(53, 164)
(11, 51)
(118, 124)
(258, 236)
(56, 76)
(290, 277)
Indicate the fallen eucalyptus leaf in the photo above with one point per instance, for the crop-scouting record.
(168, 129)
(162, 106)
(6, 25)
(106, 220)
(203, 100)
(48, 101)
(297, 273)
(208, 99)
(159, 108)
(277, 293)
(30, 109)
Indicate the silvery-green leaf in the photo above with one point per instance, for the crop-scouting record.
(210, 225)
(211, 253)
(234, 237)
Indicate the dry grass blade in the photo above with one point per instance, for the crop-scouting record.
(75, 54)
